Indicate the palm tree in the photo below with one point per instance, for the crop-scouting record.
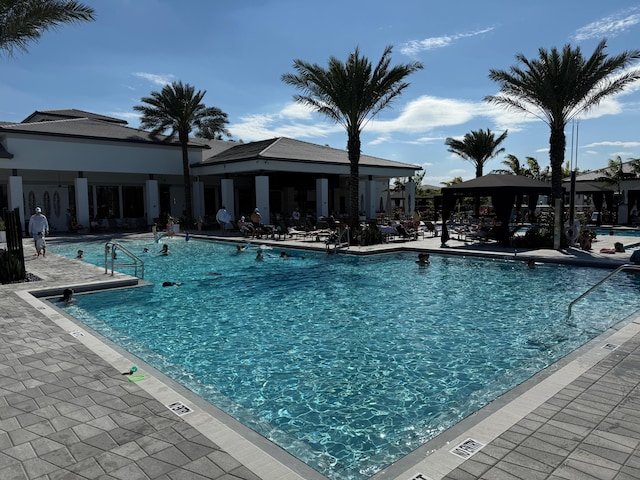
(24, 21)
(515, 167)
(179, 108)
(535, 171)
(557, 87)
(478, 147)
(455, 181)
(350, 93)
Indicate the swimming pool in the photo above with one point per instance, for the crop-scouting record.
(349, 363)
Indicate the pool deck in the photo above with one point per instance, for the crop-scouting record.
(67, 411)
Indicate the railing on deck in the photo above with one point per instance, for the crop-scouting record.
(113, 252)
(625, 267)
(342, 240)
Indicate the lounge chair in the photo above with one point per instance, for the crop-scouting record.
(406, 234)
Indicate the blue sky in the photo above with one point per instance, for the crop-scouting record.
(238, 51)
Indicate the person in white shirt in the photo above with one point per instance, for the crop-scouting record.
(38, 223)
(223, 218)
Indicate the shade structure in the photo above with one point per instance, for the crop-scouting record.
(501, 188)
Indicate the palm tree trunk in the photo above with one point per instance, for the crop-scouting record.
(353, 149)
(557, 145)
(476, 198)
(187, 180)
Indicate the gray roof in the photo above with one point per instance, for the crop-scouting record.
(283, 148)
(91, 129)
(495, 183)
(627, 167)
(45, 115)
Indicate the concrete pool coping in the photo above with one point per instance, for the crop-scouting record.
(261, 458)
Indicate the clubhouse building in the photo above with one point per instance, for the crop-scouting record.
(106, 173)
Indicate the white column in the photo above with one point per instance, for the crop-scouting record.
(227, 197)
(152, 200)
(82, 201)
(322, 197)
(410, 192)
(370, 198)
(15, 196)
(262, 198)
(197, 193)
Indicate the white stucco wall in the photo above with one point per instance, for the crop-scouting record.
(37, 153)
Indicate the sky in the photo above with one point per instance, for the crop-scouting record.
(238, 51)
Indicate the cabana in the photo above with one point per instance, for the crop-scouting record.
(502, 189)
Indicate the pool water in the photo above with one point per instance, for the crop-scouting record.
(347, 362)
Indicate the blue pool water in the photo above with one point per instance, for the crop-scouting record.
(349, 363)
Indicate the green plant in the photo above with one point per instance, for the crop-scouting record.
(11, 268)
(3, 226)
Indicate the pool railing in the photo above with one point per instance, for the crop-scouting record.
(111, 260)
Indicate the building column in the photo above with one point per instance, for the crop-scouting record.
(371, 198)
(262, 198)
(82, 202)
(15, 194)
(322, 197)
(410, 192)
(197, 194)
(152, 200)
(227, 196)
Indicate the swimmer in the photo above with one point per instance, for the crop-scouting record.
(67, 295)
(171, 284)
(145, 250)
(423, 259)
(80, 254)
(241, 248)
(165, 250)
(531, 263)
(214, 273)
(284, 254)
(259, 255)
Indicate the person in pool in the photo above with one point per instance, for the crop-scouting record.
(165, 250)
(171, 284)
(67, 295)
(423, 259)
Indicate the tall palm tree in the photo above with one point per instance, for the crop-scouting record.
(477, 147)
(179, 108)
(350, 93)
(558, 86)
(24, 21)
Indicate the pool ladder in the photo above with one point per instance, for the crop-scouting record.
(621, 268)
(342, 240)
(111, 260)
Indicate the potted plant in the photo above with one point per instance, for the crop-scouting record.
(3, 231)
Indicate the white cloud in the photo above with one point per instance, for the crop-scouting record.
(297, 110)
(161, 80)
(613, 144)
(413, 47)
(125, 115)
(609, 26)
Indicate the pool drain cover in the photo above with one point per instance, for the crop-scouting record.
(179, 408)
(610, 346)
(467, 448)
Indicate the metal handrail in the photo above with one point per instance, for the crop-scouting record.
(339, 241)
(621, 268)
(110, 256)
